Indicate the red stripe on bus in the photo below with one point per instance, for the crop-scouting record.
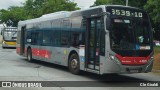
(41, 53)
(18, 50)
(133, 60)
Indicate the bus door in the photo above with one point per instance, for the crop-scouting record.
(92, 44)
(22, 42)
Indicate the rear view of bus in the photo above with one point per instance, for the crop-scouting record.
(131, 44)
(9, 37)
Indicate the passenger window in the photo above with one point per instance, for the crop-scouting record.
(65, 38)
(47, 34)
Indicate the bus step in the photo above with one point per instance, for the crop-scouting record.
(91, 66)
(92, 71)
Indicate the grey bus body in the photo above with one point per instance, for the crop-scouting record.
(88, 35)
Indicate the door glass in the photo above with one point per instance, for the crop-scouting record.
(98, 29)
(92, 39)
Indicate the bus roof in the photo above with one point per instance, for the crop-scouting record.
(65, 14)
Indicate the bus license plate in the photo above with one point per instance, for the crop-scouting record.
(134, 71)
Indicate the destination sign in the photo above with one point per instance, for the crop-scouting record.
(128, 12)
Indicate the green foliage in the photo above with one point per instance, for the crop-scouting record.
(156, 49)
(153, 8)
(58, 5)
(15, 14)
(35, 8)
(108, 2)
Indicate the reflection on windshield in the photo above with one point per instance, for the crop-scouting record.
(10, 35)
(130, 34)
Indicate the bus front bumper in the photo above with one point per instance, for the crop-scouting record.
(113, 67)
(8, 45)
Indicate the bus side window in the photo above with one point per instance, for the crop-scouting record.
(47, 37)
(57, 34)
(28, 37)
(36, 37)
(65, 37)
(76, 39)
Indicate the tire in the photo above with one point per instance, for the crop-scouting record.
(74, 65)
(29, 55)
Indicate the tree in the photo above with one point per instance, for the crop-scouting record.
(36, 8)
(153, 8)
(59, 5)
(137, 3)
(33, 8)
(15, 14)
(108, 2)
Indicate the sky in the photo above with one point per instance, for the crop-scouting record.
(4, 4)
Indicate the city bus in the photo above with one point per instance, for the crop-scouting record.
(9, 37)
(103, 39)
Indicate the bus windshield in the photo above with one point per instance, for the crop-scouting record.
(10, 35)
(130, 34)
(130, 31)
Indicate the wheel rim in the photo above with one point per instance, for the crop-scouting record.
(74, 63)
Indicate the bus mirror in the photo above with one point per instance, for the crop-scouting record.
(106, 13)
(29, 40)
(108, 22)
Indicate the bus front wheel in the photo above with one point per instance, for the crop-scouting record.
(74, 65)
(29, 55)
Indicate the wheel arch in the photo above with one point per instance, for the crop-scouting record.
(72, 52)
(29, 47)
(26, 51)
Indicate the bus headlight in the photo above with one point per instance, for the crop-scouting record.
(3, 42)
(113, 58)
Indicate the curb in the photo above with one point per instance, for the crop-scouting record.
(154, 70)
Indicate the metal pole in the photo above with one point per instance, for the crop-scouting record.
(126, 2)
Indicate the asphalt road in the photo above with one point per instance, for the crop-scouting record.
(16, 68)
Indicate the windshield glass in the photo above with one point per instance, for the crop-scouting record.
(130, 31)
(10, 35)
(130, 34)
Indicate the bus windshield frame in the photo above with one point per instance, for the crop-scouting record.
(130, 31)
(9, 35)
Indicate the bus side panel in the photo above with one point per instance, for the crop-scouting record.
(35, 52)
(55, 55)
